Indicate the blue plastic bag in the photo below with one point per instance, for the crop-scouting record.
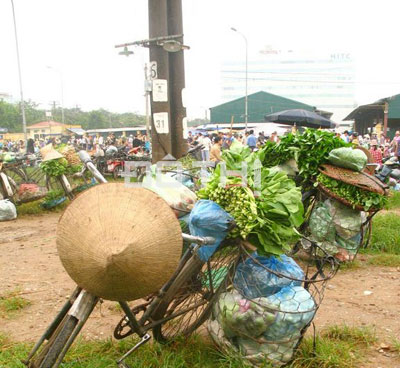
(209, 219)
(252, 280)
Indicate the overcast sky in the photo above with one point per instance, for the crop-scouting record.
(77, 38)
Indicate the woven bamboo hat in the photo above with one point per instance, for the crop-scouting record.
(50, 154)
(119, 243)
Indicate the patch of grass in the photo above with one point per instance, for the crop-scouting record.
(351, 266)
(395, 345)
(337, 347)
(192, 352)
(354, 335)
(393, 201)
(385, 234)
(384, 259)
(11, 303)
(34, 208)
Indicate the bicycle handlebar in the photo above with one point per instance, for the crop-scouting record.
(207, 240)
(84, 156)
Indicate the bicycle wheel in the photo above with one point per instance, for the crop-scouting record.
(192, 294)
(36, 175)
(53, 352)
(48, 357)
(57, 184)
(16, 174)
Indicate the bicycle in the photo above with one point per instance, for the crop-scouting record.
(179, 307)
(185, 298)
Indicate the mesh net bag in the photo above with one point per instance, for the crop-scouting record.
(337, 229)
(268, 305)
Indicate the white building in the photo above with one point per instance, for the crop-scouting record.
(320, 79)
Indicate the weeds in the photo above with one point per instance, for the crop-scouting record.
(385, 234)
(337, 347)
(394, 200)
(384, 259)
(34, 208)
(11, 303)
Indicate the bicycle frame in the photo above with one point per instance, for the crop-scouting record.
(81, 304)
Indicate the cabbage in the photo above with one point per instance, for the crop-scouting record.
(348, 158)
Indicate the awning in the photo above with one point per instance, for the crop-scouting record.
(77, 131)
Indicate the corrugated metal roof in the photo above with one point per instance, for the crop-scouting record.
(393, 108)
(259, 104)
(78, 131)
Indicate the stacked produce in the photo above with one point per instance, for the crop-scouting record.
(337, 229)
(266, 213)
(67, 165)
(265, 314)
(70, 154)
(262, 317)
(354, 195)
(310, 150)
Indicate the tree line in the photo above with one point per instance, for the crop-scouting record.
(11, 118)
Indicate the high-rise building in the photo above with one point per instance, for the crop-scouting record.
(321, 79)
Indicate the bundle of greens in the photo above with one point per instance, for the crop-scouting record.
(58, 167)
(55, 167)
(354, 195)
(310, 150)
(267, 220)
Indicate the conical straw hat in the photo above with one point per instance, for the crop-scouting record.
(119, 243)
(46, 148)
(51, 155)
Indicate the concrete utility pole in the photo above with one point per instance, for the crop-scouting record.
(165, 18)
(177, 79)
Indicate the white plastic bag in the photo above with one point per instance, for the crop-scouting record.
(7, 210)
(180, 198)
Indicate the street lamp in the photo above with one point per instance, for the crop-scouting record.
(62, 91)
(245, 98)
(20, 76)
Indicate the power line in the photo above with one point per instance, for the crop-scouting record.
(313, 81)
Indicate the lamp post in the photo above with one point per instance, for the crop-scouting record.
(246, 97)
(20, 76)
(62, 92)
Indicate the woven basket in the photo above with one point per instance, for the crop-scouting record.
(330, 194)
(359, 179)
(119, 243)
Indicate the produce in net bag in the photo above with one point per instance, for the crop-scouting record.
(348, 158)
(180, 198)
(337, 228)
(266, 328)
(7, 210)
(347, 221)
(253, 278)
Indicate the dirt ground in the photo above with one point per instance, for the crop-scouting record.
(369, 296)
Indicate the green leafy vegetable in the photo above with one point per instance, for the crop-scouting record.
(268, 219)
(310, 150)
(56, 167)
(353, 194)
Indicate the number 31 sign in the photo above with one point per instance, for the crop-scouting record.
(160, 120)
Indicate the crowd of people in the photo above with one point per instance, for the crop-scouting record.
(213, 144)
(380, 147)
(87, 142)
